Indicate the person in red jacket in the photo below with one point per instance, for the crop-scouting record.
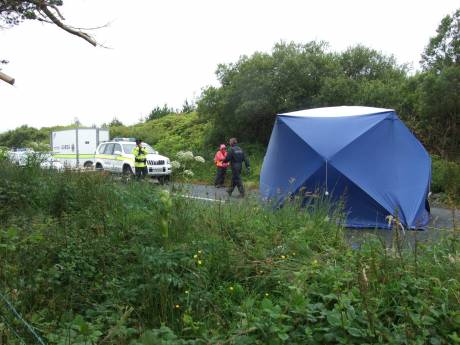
(221, 166)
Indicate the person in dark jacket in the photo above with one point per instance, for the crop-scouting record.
(236, 157)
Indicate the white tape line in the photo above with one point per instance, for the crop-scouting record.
(198, 198)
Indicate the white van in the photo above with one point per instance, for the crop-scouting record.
(116, 156)
(75, 147)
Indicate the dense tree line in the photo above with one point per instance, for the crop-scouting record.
(293, 77)
(299, 76)
(22, 136)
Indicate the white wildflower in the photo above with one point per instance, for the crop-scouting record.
(389, 218)
(188, 173)
(185, 155)
(199, 159)
(175, 164)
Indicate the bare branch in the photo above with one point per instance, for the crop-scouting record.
(6, 78)
(45, 20)
(44, 8)
(92, 28)
(61, 17)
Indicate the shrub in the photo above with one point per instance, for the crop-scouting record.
(86, 259)
(446, 178)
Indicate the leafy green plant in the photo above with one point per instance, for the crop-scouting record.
(446, 179)
(86, 259)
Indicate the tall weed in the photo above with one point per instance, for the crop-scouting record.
(87, 259)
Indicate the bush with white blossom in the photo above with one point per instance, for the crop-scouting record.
(185, 160)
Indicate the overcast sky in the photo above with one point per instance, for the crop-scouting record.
(167, 51)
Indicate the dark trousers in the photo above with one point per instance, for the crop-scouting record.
(236, 180)
(220, 176)
(141, 172)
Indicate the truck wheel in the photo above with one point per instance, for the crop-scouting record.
(88, 165)
(99, 167)
(127, 171)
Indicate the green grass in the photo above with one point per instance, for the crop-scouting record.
(89, 260)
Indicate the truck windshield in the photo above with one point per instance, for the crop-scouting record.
(128, 148)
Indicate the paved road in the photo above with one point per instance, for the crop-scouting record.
(441, 219)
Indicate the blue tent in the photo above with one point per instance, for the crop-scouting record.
(365, 157)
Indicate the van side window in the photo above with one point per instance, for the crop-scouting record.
(109, 149)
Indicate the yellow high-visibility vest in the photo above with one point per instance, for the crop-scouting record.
(140, 157)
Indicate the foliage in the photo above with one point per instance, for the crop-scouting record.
(25, 136)
(364, 77)
(115, 122)
(443, 49)
(169, 134)
(12, 12)
(86, 259)
(159, 112)
(446, 180)
(437, 102)
(21, 136)
(188, 107)
(294, 76)
(439, 120)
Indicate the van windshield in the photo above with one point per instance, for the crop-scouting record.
(128, 148)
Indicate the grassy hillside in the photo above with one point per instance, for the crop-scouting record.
(88, 260)
(187, 132)
(168, 134)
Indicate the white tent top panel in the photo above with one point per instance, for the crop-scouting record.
(338, 111)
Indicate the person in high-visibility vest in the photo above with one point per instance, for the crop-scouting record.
(140, 159)
(221, 166)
